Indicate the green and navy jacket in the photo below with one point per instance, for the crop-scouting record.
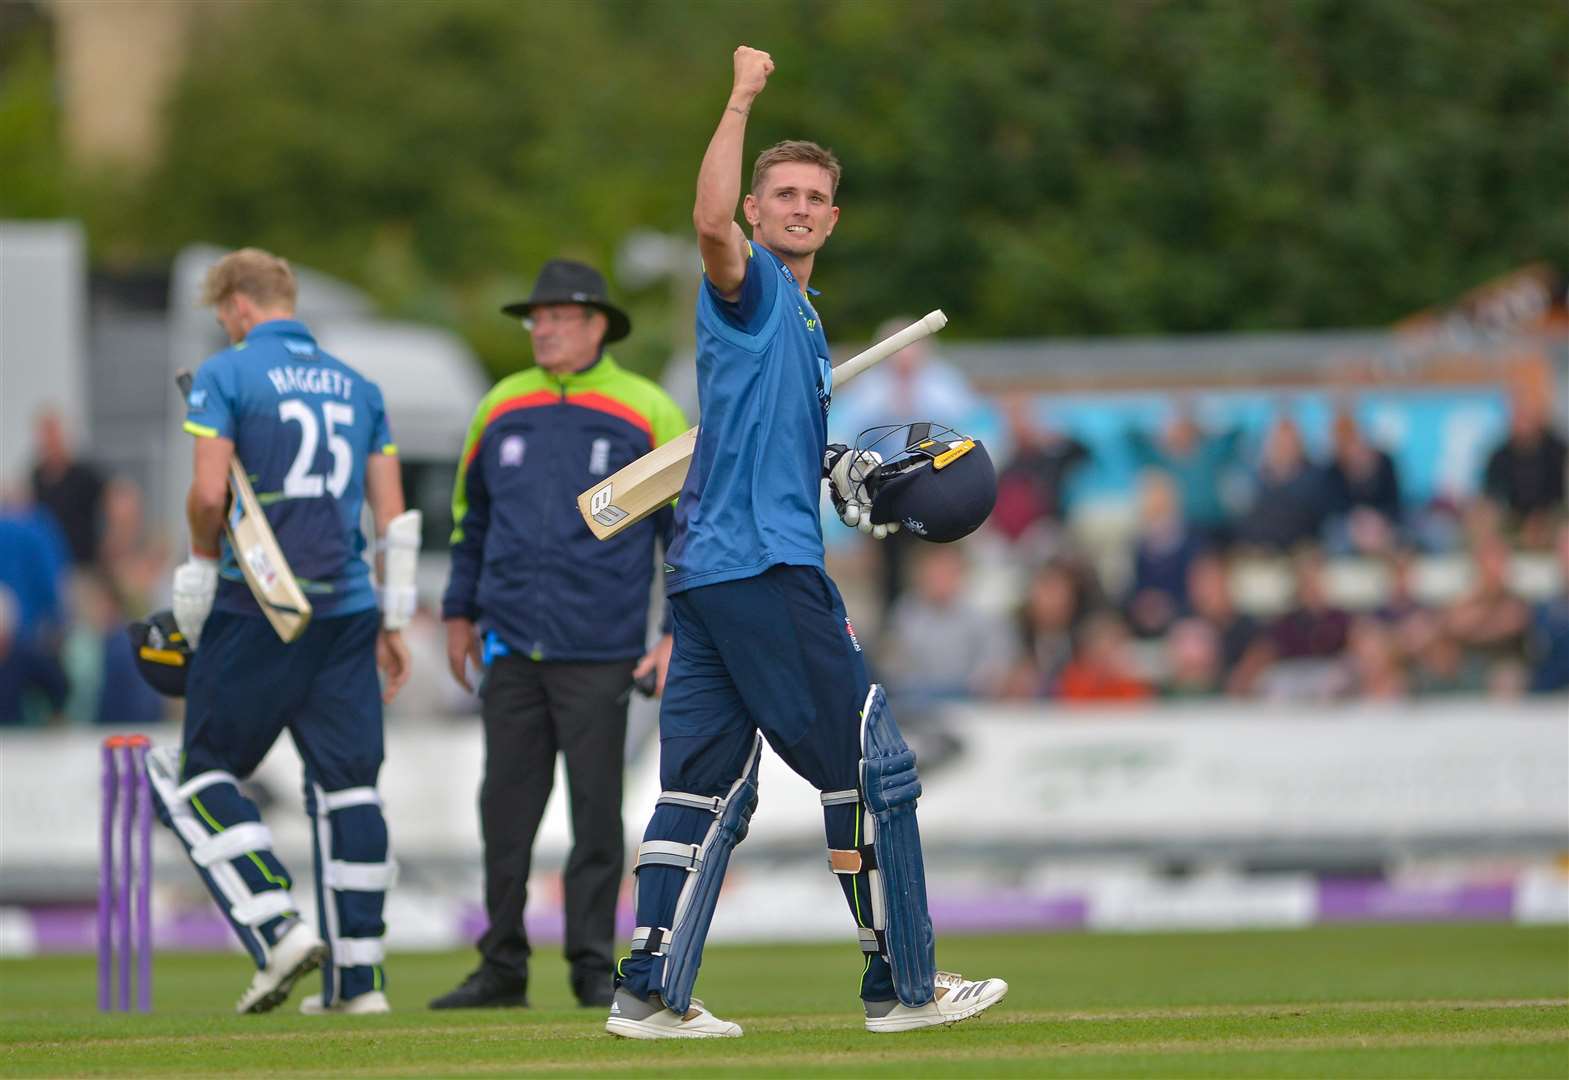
(524, 565)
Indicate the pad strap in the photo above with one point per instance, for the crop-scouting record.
(713, 804)
(361, 877)
(852, 860)
(354, 796)
(650, 939)
(203, 781)
(233, 842)
(669, 853)
(358, 952)
(260, 907)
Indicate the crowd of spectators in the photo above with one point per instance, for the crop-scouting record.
(76, 561)
(1210, 504)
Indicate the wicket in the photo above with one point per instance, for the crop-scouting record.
(127, 799)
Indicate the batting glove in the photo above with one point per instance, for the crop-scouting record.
(847, 470)
(195, 584)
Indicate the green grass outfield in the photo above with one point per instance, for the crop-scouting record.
(1404, 1001)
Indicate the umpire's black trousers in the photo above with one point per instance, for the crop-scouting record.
(533, 710)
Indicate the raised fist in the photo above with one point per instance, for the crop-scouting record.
(752, 68)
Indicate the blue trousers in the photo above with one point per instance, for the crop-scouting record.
(246, 688)
(774, 653)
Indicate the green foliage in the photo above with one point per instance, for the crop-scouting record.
(1073, 167)
(33, 177)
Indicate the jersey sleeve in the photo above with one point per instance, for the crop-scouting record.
(750, 310)
(211, 405)
(381, 441)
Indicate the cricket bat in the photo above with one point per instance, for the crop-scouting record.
(256, 550)
(636, 491)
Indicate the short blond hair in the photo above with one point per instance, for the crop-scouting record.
(796, 150)
(255, 273)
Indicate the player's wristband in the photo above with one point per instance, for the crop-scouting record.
(400, 559)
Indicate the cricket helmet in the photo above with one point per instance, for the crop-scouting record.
(162, 654)
(937, 484)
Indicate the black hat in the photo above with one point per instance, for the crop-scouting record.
(161, 652)
(941, 489)
(562, 281)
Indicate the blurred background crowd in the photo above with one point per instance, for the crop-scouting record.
(1065, 180)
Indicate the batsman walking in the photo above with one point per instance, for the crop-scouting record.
(313, 434)
(763, 649)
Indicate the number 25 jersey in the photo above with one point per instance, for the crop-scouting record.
(304, 424)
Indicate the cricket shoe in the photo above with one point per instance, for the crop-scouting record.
(631, 1017)
(957, 998)
(297, 953)
(371, 1003)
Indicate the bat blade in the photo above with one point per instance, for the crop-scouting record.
(639, 489)
(258, 553)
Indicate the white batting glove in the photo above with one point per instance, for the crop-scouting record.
(847, 471)
(195, 585)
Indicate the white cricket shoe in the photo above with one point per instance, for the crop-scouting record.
(297, 953)
(371, 1003)
(957, 998)
(631, 1017)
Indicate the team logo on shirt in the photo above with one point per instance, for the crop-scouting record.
(512, 448)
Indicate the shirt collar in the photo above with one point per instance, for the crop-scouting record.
(790, 277)
(285, 327)
(602, 367)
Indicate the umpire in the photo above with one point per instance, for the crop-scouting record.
(557, 619)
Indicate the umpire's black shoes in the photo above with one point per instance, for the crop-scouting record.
(485, 988)
(594, 989)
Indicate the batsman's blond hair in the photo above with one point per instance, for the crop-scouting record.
(260, 275)
(796, 150)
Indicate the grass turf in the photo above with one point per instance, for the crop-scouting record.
(1411, 1001)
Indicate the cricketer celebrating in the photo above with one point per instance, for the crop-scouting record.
(313, 434)
(763, 648)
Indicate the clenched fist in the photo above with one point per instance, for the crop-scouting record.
(752, 68)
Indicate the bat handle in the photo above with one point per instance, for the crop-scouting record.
(183, 380)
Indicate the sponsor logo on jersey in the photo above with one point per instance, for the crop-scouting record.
(512, 448)
(197, 399)
(599, 457)
(849, 628)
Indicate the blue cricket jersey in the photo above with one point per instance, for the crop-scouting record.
(764, 380)
(303, 423)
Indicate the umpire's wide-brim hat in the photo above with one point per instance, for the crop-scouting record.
(562, 281)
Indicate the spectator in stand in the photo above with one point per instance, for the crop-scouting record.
(1376, 670)
(1163, 552)
(1061, 594)
(1210, 600)
(106, 688)
(1030, 486)
(135, 566)
(1299, 656)
(71, 490)
(1549, 636)
(1291, 494)
(939, 646)
(1489, 621)
(34, 558)
(1194, 662)
(1364, 493)
(1199, 462)
(912, 385)
(1526, 473)
(28, 673)
(1102, 667)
